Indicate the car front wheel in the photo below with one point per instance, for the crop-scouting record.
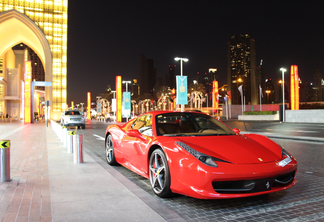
(110, 155)
(159, 174)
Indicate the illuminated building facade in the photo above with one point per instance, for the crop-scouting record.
(42, 26)
(241, 69)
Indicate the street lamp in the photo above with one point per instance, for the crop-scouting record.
(127, 82)
(181, 71)
(283, 70)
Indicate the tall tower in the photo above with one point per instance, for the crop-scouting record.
(50, 19)
(147, 75)
(241, 69)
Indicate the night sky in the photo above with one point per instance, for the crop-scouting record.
(105, 39)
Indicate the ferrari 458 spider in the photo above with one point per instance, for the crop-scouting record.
(194, 154)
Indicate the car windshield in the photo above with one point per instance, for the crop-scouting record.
(72, 113)
(190, 124)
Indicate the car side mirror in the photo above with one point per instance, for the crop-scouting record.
(134, 133)
(237, 131)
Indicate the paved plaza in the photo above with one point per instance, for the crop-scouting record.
(46, 185)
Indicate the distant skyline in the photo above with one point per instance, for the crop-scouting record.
(105, 40)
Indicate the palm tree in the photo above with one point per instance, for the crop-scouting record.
(196, 92)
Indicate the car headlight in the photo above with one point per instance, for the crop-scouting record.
(285, 153)
(205, 159)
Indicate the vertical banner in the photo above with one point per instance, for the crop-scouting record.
(113, 105)
(89, 105)
(127, 104)
(28, 73)
(119, 98)
(182, 97)
(99, 108)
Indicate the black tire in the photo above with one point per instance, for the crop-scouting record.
(110, 154)
(83, 126)
(159, 174)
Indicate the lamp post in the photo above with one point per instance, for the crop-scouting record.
(181, 72)
(283, 70)
(127, 82)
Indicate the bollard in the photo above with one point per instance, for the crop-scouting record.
(64, 135)
(69, 141)
(78, 148)
(5, 160)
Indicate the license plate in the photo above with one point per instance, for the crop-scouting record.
(284, 162)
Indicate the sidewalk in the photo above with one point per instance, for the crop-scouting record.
(47, 186)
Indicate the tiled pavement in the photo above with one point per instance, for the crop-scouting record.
(27, 196)
(47, 186)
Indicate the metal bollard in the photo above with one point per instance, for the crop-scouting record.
(69, 141)
(5, 160)
(64, 135)
(78, 148)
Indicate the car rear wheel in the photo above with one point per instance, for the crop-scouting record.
(110, 155)
(159, 174)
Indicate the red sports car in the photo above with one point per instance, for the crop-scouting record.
(194, 154)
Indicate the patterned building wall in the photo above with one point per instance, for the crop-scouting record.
(51, 17)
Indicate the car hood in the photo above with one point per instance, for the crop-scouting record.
(240, 149)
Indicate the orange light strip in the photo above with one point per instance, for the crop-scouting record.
(294, 87)
(119, 98)
(27, 76)
(37, 103)
(89, 104)
(215, 94)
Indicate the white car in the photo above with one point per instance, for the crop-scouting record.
(72, 118)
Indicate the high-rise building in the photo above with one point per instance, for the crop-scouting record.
(242, 69)
(171, 77)
(147, 75)
(42, 26)
(269, 92)
(38, 73)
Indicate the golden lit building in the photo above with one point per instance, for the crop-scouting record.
(42, 25)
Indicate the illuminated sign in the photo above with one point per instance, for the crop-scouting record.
(27, 76)
(41, 83)
(72, 104)
(89, 104)
(294, 87)
(119, 98)
(215, 94)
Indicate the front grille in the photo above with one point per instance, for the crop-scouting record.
(253, 186)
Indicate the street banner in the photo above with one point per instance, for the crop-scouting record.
(127, 100)
(182, 97)
(113, 105)
(98, 107)
(240, 88)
